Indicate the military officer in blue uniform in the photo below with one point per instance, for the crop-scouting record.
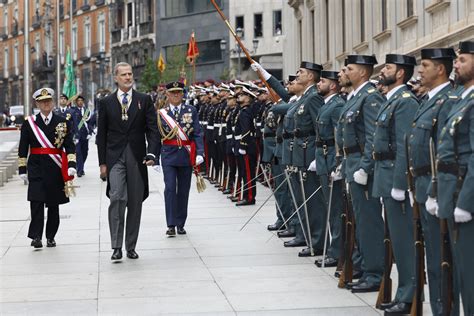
(63, 108)
(358, 125)
(392, 123)
(180, 148)
(455, 175)
(46, 158)
(325, 161)
(81, 115)
(436, 65)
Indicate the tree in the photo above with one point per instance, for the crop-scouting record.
(150, 76)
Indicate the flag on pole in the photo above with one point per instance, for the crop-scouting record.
(193, 51)
(69, 87)
(161, 65)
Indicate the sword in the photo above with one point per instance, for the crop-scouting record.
(296, 212)
(326, 234)
(295, 204)
(306, 213)
(276, 201)
(266, 200)
(211, 169)
(243, 189)
(227, 179)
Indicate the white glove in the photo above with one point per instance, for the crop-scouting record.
(157, 168)
(199, 160)
(71, 172)
(242, 152)
(412, 199)
(461, 216)
(232, 149)
(337, 174)
(257, 67)
(312, 166)
(75, 141)
(23, 176)
(397, 194)
(360, 177)
(89, 137)
(431, 206)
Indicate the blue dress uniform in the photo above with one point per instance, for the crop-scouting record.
(432, 112)
(326, 163)
(392, 123)
(176, 161)
(245, 142)
(455, 183)
(358, 125)
(46, 178)
(81, 116)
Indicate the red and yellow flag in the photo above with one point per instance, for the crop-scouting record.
(193, 51)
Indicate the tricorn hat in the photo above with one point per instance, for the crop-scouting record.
(438, 53)
(398, 59)
(361, 60)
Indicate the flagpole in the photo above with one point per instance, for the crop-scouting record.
(194, 71)
(26, 61)
(58, 54)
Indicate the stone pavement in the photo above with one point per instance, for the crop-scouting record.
(213, 270)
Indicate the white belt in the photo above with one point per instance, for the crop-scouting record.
(259, 124)
(204, 122)
(228, 136)
(210, 127)
(238, 137)
(218, 125)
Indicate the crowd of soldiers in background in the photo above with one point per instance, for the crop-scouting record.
(353, 165)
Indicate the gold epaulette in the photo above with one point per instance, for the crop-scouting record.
(71, 157)
(22, 162)
(372, 90)
(406, 95)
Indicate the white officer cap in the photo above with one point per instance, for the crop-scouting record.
(43, 94)
(248, 92)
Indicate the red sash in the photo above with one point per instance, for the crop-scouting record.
(54, 151)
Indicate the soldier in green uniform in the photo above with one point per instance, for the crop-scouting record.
(390, 183)
(358, 125)
(455, 175)
(325, 162)
(436, 65)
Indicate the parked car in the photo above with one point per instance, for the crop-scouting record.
(17, 116)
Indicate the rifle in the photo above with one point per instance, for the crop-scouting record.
(349, 229)
(272, 93)
(447, 299)
(385, 291)
(417, 303)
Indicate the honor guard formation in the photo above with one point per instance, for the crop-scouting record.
(364, 173)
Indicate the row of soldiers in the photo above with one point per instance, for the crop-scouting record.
(386, 175)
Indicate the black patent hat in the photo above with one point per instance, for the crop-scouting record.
(466, 47)
(291, 78)
(361, 60)
(332, 75)
(397, 59)
(311, 66)
(438, 53)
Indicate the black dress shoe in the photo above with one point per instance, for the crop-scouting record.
(36, 243)
(245, 202)
(337, 274)
(384, 306)
(286, 233)
(365, 287)
(399, 309)
(274, 227)
(234, 199)
(50, 243)
(350, 285)
(294, 243)
(307, 252)
(132, 254)
(181, 231)
(117, 254)
(328, 262)
(171, 232)
(226, 191)
(357, 274)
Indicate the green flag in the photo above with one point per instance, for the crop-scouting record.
(69, 87)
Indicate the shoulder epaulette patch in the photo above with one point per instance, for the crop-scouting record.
(453, 96)
(406, 95)
(372, 90)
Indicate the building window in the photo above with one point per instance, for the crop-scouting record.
(362, 20)
(37, 6)
(6, 62)
(277, 25)
(184, 7)
(101, 24)
(410, 8)
(239, 23)
(313, 32)
(257, 25)
(37, 46)
(327, 29)
(5, 19)
(74, 42)
(74, 5)
(384, 15)
(87, 38)
(209, 51)
(61, 43)
(343, 25)
(16, 58)
(145, 11)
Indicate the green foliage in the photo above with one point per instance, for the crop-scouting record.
(226, 74)
(150, 76)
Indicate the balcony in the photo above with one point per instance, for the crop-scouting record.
(85, 7)
(98, 50)
(3, 33)
(99, 2)
(44, 64)
(116, 36)
(146, 28)
(15, 28)
(13, 73)
(85, 53)
(36, 23)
